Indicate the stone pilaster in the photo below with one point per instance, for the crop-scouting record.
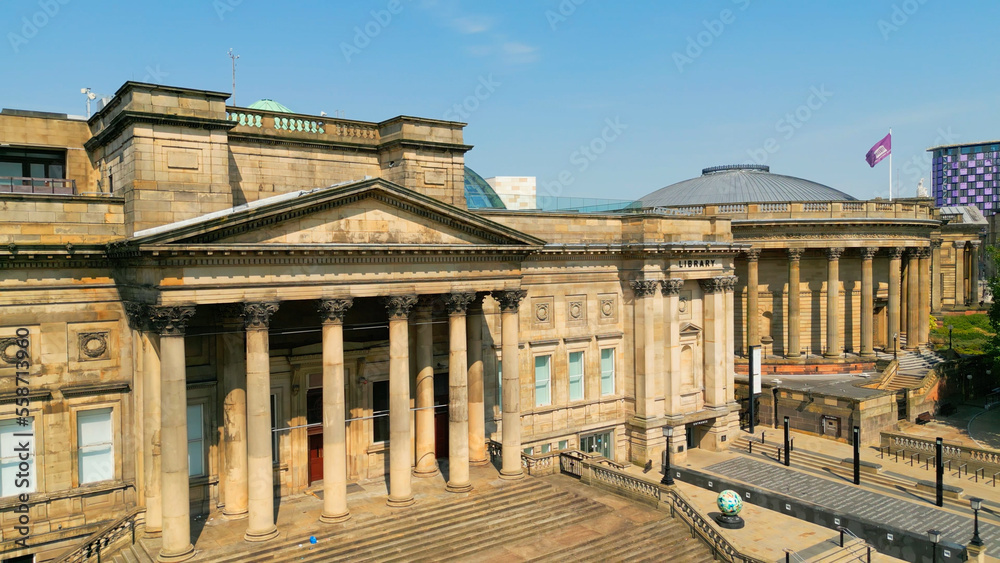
(713, 300)
(794, 349)
(171, 323)
(753, 297)
(671, 330)
(426, 465)
(912, 299)
(645, 346)
(936, 276)
(260, 489)
(332, 312)
(398, 308)
(458, 393)
(895, 265)
(138, 315)
(959, 273)
(833, 341)
(867, 302)
(509, 301)
(234, 414)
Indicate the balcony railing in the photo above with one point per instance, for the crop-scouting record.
(17, 185)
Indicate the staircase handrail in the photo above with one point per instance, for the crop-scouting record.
(700, 526)
(794, 554)
(103, 538)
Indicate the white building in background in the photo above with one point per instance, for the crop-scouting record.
(517, 192)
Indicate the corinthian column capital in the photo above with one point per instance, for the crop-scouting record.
(257, 316)
(334, 310)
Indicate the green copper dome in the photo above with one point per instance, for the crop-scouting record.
(270, 105)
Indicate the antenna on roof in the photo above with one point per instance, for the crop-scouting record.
(90, 96)
(234, 57)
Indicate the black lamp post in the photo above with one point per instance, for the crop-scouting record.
(934, 536)
(895, 345)
(976, 504)
(968, 388)
(667, 479)
(950, 327)
(786, 443)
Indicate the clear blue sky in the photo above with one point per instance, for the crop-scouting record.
(551, 75)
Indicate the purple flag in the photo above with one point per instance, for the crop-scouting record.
(879, 151)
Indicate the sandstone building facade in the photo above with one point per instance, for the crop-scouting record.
(212, 306)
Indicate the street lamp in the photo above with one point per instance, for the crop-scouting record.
(976, 504)
(950, 327)
(895, 346)
(934, 536)
(968, 392)
(667, 480)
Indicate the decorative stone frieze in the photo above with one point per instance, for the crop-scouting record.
(257, 316)
(398, 306)
(334, 310)
(171, 321)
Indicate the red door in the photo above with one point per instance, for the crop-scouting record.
(315, 457)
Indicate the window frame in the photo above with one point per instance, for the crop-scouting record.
(34, 474)
(117, 438)
(203, 439)
(614, 369)
(80, 446)
(548, 381)
(582, 378)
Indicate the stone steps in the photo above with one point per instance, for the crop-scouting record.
(647, 542)
(902, 381)
(132, 554)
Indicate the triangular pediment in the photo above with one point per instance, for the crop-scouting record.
(368, 212)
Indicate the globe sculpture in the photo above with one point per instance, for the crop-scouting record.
(730, 504)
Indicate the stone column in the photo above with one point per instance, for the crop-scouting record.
(139, 320)
(924, 299)
(260, 466)
(645, 346)
(458, 393)
(714, 297)
(332, 312)
(895, 263)
(794, 304)
(912, 299)
(833, 347)
(171, 323)
(672, 333)
(959, 273)
(234, 413)
(477, 402)
(426, 465)
(974, 273)
(398, 307)
(936, 276)
(753, 297)
(867, 302)
(509, 301)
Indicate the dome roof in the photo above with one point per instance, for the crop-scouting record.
(479, 194)
(741, 183)
(269, 105)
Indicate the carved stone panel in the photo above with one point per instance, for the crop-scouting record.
(542, 312)
(607, 308)
(576, 309)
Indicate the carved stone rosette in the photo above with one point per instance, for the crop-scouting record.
(333, 310)
(257, 316)
(896, 252)
(868, 252)
(644, 288)
(398, 306)
(795, 254)
(752, 254)
(170, 321)
(834, 253)
(510, 299)
(458, 303)
(671, 287)
(137, 315)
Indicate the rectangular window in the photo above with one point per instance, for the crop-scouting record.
(576, 376)
(528, 451)
(546, 448)
(607, 371)
(10, 460)
(95, 447)
(196, 440)
(542, 392)
(563, 444)
(32, 163)
(380, 410)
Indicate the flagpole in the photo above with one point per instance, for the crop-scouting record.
(890, 165)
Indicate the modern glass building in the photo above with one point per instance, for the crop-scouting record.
(967, 175)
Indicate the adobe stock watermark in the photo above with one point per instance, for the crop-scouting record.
(363, 35)
(562, 13)
(482, 92)
(31, 25)
(901, 14)
(154, 75)
(583, 157)
(223, 7)
(704, 39)
(792, 121)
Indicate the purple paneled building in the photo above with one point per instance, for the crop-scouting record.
(967, 175)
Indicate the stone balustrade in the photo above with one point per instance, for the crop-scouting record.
(976, 458)
(302, 126)
(810, 210)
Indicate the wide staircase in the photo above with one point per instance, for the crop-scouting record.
(472, 528)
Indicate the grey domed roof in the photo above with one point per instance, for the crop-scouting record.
(741, 183)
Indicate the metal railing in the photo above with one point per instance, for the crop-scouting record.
(104, 540)
(721, 548)
(21, 185)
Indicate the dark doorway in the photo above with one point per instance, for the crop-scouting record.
(691, 444)
(314, 415)
(441, 415)
(315, 457)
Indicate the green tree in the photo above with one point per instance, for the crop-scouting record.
(993, 347)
